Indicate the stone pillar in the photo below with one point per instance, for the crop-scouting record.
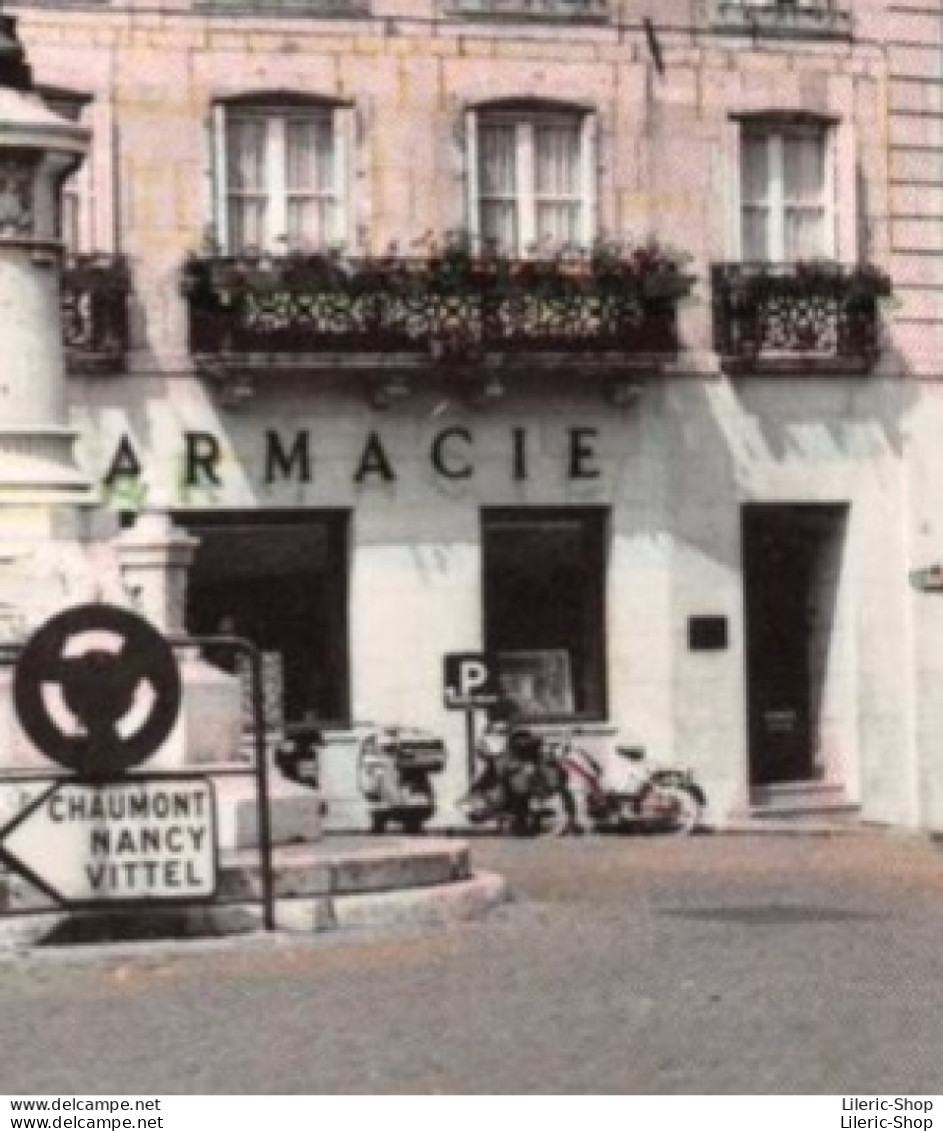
(155, 556)
(38, 149)
(43, 566)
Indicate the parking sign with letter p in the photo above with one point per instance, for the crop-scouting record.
(468, 680)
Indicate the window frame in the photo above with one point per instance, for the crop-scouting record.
(277, 109)
(526, 119)
(775, 129)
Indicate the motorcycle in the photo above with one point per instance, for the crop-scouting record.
(523, 788)
(623, 791)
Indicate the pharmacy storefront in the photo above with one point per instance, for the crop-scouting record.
(686, 566)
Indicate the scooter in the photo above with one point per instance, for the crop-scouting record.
(621, 790)
(394, 769)
(522, 789)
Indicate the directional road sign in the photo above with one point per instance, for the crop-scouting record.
(136, 839)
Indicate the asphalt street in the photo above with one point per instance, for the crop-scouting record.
(716, 964)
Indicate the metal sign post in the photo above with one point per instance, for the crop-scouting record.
(468, 685)
(262, 784)
(254, 656)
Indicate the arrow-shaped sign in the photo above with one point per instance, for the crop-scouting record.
(139, 839)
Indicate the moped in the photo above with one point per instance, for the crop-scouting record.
(622, 790)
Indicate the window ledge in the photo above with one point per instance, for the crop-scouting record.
(318, 9)
(95, 363)
(802, 21)
(65, 5)
(796, 365)
(604, 362)
(528, 11)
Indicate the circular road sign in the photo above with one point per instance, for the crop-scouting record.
(97, 689)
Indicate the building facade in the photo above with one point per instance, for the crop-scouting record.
(598, 335)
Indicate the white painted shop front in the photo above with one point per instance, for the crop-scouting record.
(718, 567)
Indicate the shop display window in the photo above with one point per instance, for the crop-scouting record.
(279, 579)
(544, 617)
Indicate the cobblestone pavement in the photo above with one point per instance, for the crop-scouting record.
(714, 964)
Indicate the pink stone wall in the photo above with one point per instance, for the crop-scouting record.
(667, 145)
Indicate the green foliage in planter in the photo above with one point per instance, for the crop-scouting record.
(825, 278)
(647, 270)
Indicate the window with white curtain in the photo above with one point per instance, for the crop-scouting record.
(281, 178)
(785, 193)
(530, 181)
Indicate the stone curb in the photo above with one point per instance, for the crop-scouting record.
(322, 869)
(443, 903)
(767, 826)
(759, 826)
(309, 870)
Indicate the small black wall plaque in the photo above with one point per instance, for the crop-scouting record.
(707, 633)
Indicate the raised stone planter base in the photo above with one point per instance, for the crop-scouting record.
(341, 883)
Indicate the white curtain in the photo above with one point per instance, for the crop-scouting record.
(310, 180)
(497, 186)
(754, 197)
(803, 195)
(557, 185)
(281, 181)
(782, 194)
(245, 173)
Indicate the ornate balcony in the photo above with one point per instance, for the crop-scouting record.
(450, 307)
(797, 317)
(793, 18)
(94, 300)
(575, 11)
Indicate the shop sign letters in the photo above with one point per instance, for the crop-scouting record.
(288, 456)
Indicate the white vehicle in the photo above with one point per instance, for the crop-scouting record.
(394, 769)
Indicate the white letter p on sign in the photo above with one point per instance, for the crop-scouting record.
(472, 674)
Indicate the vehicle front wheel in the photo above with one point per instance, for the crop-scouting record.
(378, 822)
(687, 814)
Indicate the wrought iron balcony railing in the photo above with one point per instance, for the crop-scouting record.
(790, 316)
(447, 307)
(823, 18)
(94, 301)
(576, 11)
